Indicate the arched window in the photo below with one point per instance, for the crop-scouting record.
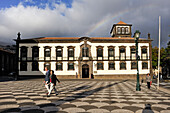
(127, 30)
(123, 30)
(118, 30)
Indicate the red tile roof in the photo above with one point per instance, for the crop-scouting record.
(59, 38)
(121, 22)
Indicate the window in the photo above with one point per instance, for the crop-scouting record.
(144, 65)
(111, 52)
(111, 66)
(70, 52)
(47, 53)
(127, 30)
(35, 66)
(48, 65)
(35, 53)
(23, 66)
(122, 66)
(118, 30)
(99, 52)
(23, 53)
(59, 66)
(133, 65)
(85, 52)
(123, 30)
(70, 66)
(133, 53)
(99, 66)
(59, 52)
(144, 53)
(122, 53)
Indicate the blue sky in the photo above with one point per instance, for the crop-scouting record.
(9, 3)
(76, 18)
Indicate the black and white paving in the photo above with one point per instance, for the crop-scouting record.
(29, 96)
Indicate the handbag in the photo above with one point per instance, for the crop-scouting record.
(150, 82)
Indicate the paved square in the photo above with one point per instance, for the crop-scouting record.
(89, 96)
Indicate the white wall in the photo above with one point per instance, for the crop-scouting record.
(77, 53)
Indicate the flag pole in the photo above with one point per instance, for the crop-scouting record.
(159, 50)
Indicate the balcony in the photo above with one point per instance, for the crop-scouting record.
(105, 58)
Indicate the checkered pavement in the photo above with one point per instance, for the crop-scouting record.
(29, 96)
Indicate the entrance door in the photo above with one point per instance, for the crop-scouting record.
(85, 71)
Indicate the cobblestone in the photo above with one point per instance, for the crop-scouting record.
(28, 96)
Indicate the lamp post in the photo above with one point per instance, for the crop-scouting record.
(137, 34)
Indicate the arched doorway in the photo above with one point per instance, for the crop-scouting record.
(85, 71)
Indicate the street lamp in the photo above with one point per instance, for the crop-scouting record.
(137, 34)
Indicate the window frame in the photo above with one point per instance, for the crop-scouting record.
(60, 69)
(122, 68)
(34, 57)
(132, 65)
(22, 53)
(120, 55)
(35, 67)
(98, 66)
(143, 65)
(45, 57)
(49, 68)
(99, 53)
(61, 53)
(142, 53)
(109, 68)
(22, 68)
(70, 69)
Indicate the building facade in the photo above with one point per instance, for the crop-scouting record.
(7, 62)
(86, 57)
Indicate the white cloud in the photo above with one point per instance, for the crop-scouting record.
(85, 17)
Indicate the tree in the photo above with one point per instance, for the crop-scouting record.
(154, 57)
(164, 59)
(163, 56)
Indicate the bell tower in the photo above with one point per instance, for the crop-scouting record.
(121, 29)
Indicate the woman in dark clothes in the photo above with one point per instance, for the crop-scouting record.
(53, 79)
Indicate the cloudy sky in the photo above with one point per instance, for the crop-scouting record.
(93, 18)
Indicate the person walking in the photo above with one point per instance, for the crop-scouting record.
(47, 79)
(53, 79)
(148, 80)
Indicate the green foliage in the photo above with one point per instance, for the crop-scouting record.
(164, 57)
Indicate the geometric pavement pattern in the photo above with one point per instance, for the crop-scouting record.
(29, 96)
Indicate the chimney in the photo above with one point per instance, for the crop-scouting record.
(19, 36)
(149, 36)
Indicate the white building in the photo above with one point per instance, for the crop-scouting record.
(86, 57)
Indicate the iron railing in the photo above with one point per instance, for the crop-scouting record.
(105, 58)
